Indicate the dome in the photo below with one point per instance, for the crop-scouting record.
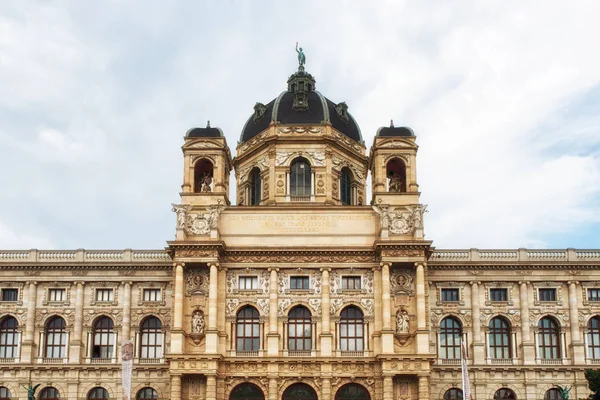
(394, 131)
(204, 132)
(301, 104)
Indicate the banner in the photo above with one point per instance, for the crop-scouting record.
(466, 384)
(126, 367)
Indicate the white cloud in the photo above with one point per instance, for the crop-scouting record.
(99, 97)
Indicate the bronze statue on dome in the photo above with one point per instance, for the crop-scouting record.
(301, 56)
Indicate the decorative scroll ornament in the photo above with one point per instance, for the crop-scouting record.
(300, 129)
(201, 224)
(284, 157)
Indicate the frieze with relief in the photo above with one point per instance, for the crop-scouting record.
(300, 257)
(358, 172)
(197, 223)
(316, 158)
(404, 220)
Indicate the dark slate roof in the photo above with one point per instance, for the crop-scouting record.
(204, 132)
(321, 110)
(393, 131)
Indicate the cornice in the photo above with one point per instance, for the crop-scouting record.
(300, 256)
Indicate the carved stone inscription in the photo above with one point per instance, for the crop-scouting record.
(300, 223)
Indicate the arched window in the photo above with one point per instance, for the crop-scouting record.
(98, 393)
(255, 187)
(299, 329)
(151, 345)
(346, 186)
(56, 338)
(247, 391)
(203, 176)
(352, 391)
(351, 329)
(453, 394)
(300, 178)
(5, 394)
(553, 394)
(49, 393)
(549, 338)
(450, 338)
(499, 338)
(396, 174)
(505, 394)
(594, 338)
(248, 329)
(299, 391)
(146, 393)
(103, 338)
(9, 337)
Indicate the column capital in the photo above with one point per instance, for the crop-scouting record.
(213, 264)
(325, 269)
(524, 283)
(124, 283)
(179, 264)
(376, 268)
(34, 283)
(385, 264)
(82, 283)
(573, 282)
(273, 269)
(420, 263)
(473, 283)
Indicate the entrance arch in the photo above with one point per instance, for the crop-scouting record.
(352, 391)
(299, 391)
(246, 391)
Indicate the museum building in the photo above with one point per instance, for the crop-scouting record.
(305, 289)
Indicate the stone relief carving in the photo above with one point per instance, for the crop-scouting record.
(299, 257)
(283, 305)
(368, 282)
(300, 129)
(197, 281)
(401, 282)
(231, 279)
(231, 306)
(283, 282)
(315, 282)
(317, 158)
(316, 305)
(203, 145)
(403, 222)
(181, 213)
(367, 305)
(262, 163)
(201, 224)
(263, 305)
(338, 164)
(335, 305)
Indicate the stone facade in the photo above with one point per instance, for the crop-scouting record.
(302, 289)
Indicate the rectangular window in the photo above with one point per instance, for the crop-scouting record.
(104, 294)
(152, 295)
(450, 295)
(57, 294)
(299, 282)
(10, 294)
(248, 282)
(351, 282)
(498, 294)
(593, 294)
(547, 294)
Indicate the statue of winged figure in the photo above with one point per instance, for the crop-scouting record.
(31, 391)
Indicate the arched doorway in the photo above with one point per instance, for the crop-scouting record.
(352, 391)
(299, 391)
(246, 391)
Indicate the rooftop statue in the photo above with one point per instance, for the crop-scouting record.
(301, 56)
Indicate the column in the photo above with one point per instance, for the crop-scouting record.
(528, 346)
(387, 333)
(211, 387)
(388, 388)
(578, 353)
(76, 345)
(325, 389)
(211, 332)
(175, 387)
(28, 346)
(326, 336)
(272, 389)
(273, 335)
(177, 337)
(423, 388)
(422, 333)
(126, 311)
(478, 344)
(377, 309)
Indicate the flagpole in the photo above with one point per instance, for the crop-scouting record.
(466, 384)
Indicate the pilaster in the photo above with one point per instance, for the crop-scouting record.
(211, 388)
(127, 310)
(76, 344)
(177, 335)
(478, 345)
(212, 334)
(326, 336)
(387, 334)
(273, 335)
(175, 387)
(422, 335)
(578, 348)
(527, 344)
(423, 388)
(28, 346)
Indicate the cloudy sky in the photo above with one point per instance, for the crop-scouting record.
(95, 97)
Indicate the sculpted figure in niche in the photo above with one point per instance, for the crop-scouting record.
(396, 173)
(402, 321)
(206, 181)
(395, 184)
(198, 322)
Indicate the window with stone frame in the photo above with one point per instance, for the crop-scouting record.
(57, 294)
(299, 282)
(151, 343)
(593, 338)
(351, 282)
(451, 333)
(593, 294)
(9, 337)
(450, 294)
(5, 394)
(499, 295)
(151, 294)
(549, 339)
(104, 295)
(9, 294)
(248, 282)
(547, 294)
